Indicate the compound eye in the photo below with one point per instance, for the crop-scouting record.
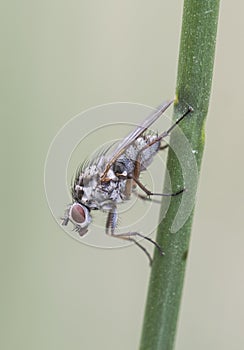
(78, 214)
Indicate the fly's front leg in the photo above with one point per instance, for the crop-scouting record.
(129, 236)
(111, 222)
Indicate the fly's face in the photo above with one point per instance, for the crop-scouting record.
(79, 215)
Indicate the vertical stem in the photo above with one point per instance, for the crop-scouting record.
(195, 70)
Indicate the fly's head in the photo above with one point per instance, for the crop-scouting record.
(79, 215)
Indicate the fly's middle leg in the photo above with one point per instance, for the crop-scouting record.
(161, 148)
(150, 193)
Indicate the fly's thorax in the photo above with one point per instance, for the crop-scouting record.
(91, 176)
(85, 183)
(90, 191)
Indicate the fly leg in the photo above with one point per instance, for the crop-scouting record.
(167, 132)
(135, 178)
(129, 236)
(136, 181)
(128, 188)
(150, 193)
(161, 148)
(136, 173)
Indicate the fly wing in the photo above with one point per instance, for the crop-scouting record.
(139, 130)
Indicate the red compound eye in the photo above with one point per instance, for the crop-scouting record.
(78, 214)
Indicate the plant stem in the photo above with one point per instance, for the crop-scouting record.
(195, 70)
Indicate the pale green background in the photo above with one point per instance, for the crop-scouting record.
(59, 58)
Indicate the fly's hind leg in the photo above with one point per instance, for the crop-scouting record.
(135, 175)
(129, 236)
(161, 148)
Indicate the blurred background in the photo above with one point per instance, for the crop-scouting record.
(58, 59)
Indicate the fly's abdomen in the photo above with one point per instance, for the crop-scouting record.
(150, 150)
(147, 147)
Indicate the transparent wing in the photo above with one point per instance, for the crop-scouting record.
(138, 131)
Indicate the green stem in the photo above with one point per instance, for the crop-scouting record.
(195, 70)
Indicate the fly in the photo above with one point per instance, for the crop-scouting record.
(110, 178)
